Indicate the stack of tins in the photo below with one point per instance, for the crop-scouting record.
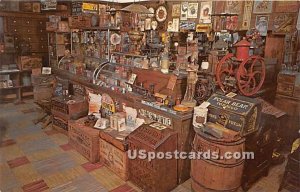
(157, 175)
(113, 151)
(84, 139)
(216, 174)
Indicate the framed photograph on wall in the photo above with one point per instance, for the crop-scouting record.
(261, 24)
(205, 12)
(184, 11)
(176, 10)
(261, 6)
(193, 10)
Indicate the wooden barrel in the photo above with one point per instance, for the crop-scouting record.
(216, 174)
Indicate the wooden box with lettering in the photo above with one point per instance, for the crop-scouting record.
(113, 151)
(80, 21)
(159, 174)
(60, 124)
(29, 62)
(84, 139)
(241, 114)
(288, 84)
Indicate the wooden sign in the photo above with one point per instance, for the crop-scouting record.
(247, 15)
(283, 23)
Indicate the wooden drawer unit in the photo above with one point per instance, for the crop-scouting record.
(84, 139)
(38, 47)
(14, 21)
(113, 151)
(158, 175)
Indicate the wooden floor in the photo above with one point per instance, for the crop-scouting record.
(34, 159)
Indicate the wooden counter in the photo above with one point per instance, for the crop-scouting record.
(180, 122)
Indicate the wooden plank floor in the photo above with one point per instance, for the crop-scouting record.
(34, 159)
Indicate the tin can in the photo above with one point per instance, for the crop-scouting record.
(200, 116)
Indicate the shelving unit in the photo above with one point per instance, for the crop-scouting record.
(58, 43)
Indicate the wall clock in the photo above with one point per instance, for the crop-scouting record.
(161, 14)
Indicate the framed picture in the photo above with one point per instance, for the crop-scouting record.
(283, 23)
(187, 25)
(176, 10)
(234, 7)
(193, 10)
(261, 24)
(46, 70)
(184, 11)
(261, 6)
(205, 12)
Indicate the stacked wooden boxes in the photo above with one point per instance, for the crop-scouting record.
(65, 108)
(84, 139)
(42, 87)
(113, 151)
(158, 175)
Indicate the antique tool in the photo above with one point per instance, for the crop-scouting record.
(248, 71)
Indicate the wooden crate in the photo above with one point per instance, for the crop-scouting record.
(60, 124)
(285, 89)
(71, 108)
(84, 139)
(29, 62)
(113, 151)
(158, 175)
(42, 92)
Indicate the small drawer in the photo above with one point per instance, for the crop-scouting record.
(14, 21)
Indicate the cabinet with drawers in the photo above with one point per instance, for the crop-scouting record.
(30, 33)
